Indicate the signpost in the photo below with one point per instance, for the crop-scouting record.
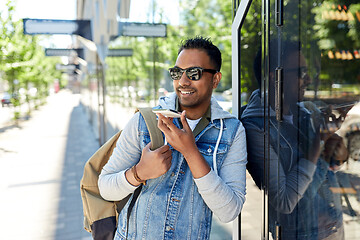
(133, 29)
(56, 26)
(119, 52)
(64, 52)
(66, 68)
(83, 28)
(98, 42)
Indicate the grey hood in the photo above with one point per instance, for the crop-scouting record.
(255, 107)
(216, 110)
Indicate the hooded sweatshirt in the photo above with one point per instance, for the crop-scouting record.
(175, 205)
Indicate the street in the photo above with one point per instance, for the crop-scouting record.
(6, 113)
(42, 160)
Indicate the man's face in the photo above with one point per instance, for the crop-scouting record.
(296, 79)
(195, 94)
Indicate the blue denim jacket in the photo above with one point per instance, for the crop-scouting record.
(175, 205)
(300, 199)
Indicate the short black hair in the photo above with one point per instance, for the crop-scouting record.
(206, 45)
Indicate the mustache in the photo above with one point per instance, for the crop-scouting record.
(185, 89)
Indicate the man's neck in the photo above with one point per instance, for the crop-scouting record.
(193, 113)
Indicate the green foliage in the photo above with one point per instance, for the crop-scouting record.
(354, 25)
(24, 65)
(250, 40)
(211, 19)
(337, 30)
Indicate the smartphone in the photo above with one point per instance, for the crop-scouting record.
(168, 112)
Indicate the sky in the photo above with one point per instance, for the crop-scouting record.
(66, 9)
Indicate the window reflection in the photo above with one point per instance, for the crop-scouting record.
(312, 151)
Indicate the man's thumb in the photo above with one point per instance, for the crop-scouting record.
(183, 121)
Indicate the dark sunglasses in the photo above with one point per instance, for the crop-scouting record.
(193, 73)
(302, 71)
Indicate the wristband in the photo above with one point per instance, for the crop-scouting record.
(136, 176)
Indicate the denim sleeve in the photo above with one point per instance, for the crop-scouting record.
(225, 194)
(112, 183)
(319, 177)
(285, 188)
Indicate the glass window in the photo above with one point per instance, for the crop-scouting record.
(302, 119)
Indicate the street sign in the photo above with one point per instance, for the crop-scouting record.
(119, 52)
(66, 68)
(133, 29)
(66, 52)
(57, 26)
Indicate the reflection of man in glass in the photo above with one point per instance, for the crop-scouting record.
(301, 200)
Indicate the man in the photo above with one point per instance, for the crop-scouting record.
(201, 169)
(300, 179)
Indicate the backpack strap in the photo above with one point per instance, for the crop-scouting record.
(156, 136)
(131, 205)
(156, 142)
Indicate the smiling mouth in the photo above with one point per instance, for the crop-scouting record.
(186, 92)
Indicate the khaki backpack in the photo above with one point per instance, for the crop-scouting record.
(100, 216)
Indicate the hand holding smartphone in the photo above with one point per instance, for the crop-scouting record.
(168, 113)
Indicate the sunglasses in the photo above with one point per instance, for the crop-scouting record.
(193, 73)
(302, 71)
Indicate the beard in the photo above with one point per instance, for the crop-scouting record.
(190, 97)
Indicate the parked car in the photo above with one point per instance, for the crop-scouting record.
(5, 99)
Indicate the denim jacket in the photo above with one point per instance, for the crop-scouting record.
(300, 199)
(175, 205)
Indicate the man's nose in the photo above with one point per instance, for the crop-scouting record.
(184, 80)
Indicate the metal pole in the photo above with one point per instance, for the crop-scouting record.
(154, 55)
(103, 103)
(154, 72)
(98, 96)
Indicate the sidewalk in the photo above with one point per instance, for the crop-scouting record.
(42, 161)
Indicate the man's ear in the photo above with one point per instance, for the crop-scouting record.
(216, 79)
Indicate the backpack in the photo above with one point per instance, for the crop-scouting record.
(100, 215)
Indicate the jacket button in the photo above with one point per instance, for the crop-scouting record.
(168, 228)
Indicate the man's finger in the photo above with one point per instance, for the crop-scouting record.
(147, 148)
(163, 149)
(161, 124)
(167, 123)
(185, 124)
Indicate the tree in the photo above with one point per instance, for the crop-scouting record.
(24, 65)
(211, 19)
